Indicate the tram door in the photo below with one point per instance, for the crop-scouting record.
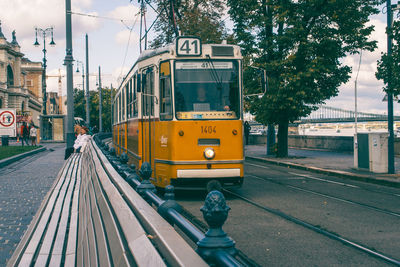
(148, 120)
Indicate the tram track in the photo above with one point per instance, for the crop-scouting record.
(274, 181)
(307, 176)
(328, 196)
(317, 229)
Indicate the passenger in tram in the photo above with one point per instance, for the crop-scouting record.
(201, 103)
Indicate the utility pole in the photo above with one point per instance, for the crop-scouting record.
(70, 82)
(391, 169)
(87, 83)
(100, 104)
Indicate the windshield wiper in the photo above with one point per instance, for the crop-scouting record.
(214, 73)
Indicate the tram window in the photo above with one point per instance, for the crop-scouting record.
(135, 100)
(128, 100)
(119, 108)
(148, 90)
(165, 92)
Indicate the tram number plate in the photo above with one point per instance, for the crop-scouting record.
(208, 129)
(188, 46)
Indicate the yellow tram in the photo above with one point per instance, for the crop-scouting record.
(180, 109)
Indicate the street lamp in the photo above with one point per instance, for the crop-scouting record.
(44, 33)
(78, 62)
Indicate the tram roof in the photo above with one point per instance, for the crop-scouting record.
(170, 48)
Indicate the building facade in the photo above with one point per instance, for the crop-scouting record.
(20, 81)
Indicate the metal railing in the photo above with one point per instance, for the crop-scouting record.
(215, 246)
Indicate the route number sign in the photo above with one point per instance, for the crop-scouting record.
(188, 46)
(8, 122)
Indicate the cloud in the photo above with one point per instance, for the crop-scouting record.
(128, 13)
(22, 17)
(126, 36)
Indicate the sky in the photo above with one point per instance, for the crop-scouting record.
(115, 47)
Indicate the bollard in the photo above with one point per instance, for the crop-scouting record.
(145, 173)
(215, 212)
(133, 178)
(168, 204)
(122, 167)
(113, 158)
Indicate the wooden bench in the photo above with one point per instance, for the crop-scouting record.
(91, 217)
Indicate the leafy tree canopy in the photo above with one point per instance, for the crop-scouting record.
(80, 107)
(300, 44)
(389, 67)
(200, 18)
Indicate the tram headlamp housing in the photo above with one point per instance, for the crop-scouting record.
(209, 153)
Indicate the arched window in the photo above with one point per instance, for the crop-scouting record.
(23, 106)
(10, 76)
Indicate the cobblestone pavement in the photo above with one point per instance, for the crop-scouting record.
(23, 186)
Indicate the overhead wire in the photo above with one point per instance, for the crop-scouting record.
(127, 46)
(123, 21)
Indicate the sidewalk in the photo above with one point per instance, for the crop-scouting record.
(23, 185)
(326, 162)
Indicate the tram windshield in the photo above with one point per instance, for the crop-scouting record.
(207, 90)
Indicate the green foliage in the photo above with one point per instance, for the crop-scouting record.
(389, 67)
(300, 44)
(198, 18)
(80, 107)
(9, 151)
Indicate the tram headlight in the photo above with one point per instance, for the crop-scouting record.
(209, 153)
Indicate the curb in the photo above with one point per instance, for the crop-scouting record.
(15, 158)
(342, 174)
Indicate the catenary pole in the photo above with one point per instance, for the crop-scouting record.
(391, 169)
(68, 63)
(87, 83)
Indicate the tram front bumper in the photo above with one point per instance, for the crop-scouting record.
(213, 173)
(198, 179)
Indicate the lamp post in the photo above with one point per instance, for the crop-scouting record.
(78, 62)
(43, 33)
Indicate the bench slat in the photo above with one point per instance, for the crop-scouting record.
(62, 205)
(113, 237)
(101, 240)
(70, 254)
(90, 231)
(60, 241)
(38, 232)
(140, 246)
(82, 240)
(173, 247)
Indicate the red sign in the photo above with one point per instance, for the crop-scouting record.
(7, 119)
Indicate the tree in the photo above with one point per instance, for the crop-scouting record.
(80, 107)
(300, 44)
(389, 67)
(198, 18)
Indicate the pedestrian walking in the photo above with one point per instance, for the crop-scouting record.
(24, 134)
(247, 128)
(33, 134)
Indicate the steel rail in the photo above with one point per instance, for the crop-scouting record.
(318, 230)
(388, 212)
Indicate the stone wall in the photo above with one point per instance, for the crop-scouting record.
(332, 143)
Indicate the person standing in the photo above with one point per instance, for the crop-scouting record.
(24, 134)
(33, 135)
(247, 128)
